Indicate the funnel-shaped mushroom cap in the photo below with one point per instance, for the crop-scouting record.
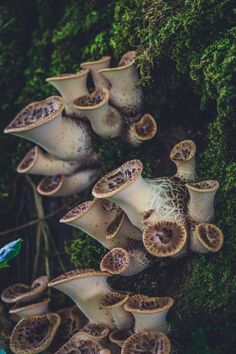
(114, 299)
(209, 236)
(128, 58)
(116, 261)
(36, 114)
(94, 67)
(150, 342)
(34, 334)
(81, 343)
(36, 306)
(207, 186)
(119, 336)
(19, 292)
(95, 330)
(183, 155)
(76, 274)
(165, 238)
(143, 130)
(145, 304)
(122, 226)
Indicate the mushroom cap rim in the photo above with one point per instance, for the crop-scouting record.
(95, 106)
(167, 306)
(86, 274)
(68, 76)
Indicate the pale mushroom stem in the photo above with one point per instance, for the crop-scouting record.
(183, 155)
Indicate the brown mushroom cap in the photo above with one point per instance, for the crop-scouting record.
(97, 98)
(49, 185)
(119, 336)
(203, 186)
(78, 211)
(145, 304)
(210, 236)
(19, 292)
(148, 342)
(114, 299)
(114, 227)
(95, 330)
(29, 304)
(183, 151)
(36, 114)
(118, 179)
(28, 161)
(116, 261)
(128, 58)
(34, 334)
(164, 238)
(145, 128)
(75, 274)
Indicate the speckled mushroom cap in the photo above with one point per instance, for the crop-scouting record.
(116, 261)
(164, 238)
(36, 114)
(30, 305)
(147, 342)
(114, 227)
(50, 185)
(145, 128)
(145, 304)
(95, 330)
(93, 100)
(203, 186)
(127, 59)
(209, 235)
(34, 334)
(118, 179)
(119, 336)
(75, 274)
(78, 211)
(19, 292)
(29, 160)
(183, 151)
(80, 343)
(114, 299)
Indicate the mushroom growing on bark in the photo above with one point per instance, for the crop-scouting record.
(149, 312)
(143, 130)
(183, 155)
(96, 330)
(205, 238)
(35, 306)
(119, 336)
(150, 342)
(94, 67)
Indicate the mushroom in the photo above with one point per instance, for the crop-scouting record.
(42, 122)
(124, 93)
(141, 131)
(114, 301)
(96, 330)
(183, 155)
(59, 185)
(86, 287)
(205, 238)
(20, 292)
(106, 121)
(119, 336)
(35, 306)
(94, 67)
(93, 217)
(81, 343)
(201, 203)
(125, 262)
(122, 227)
(149, 312)
(126, 187)
(165, 239)
(34, 334)
(70, 86)
(150, 342)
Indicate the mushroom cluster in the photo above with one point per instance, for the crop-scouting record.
(62, 126)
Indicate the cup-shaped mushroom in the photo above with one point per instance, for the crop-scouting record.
(165, 239)
(201, 203)
(125, 262)
(58, 186)
(183, 155)
(149, 312)
(119, 336)
(81, 343)
(34, 334)
(37, 162)
(150, 342)
(126, 187)
(124, 93)
(98, 331)
(20, 292)
(206, 238)
(141, 131)
(86, 287)
(70, 86)
(122, 227)
(26, 308)
(106, 121)
(114, 301)
(42, 122)
(93, 217)
(94, 67)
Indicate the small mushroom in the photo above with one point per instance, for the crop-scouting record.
(34, 334)
(96, 330)
(205, 238)
(147, 342)
(141, 131)
(20, 292)
(201, 203)
(119, 336)
(94, 67)
(35, 306)
(114, 301)
(149, 312)
(183, 155)
(165, 239)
